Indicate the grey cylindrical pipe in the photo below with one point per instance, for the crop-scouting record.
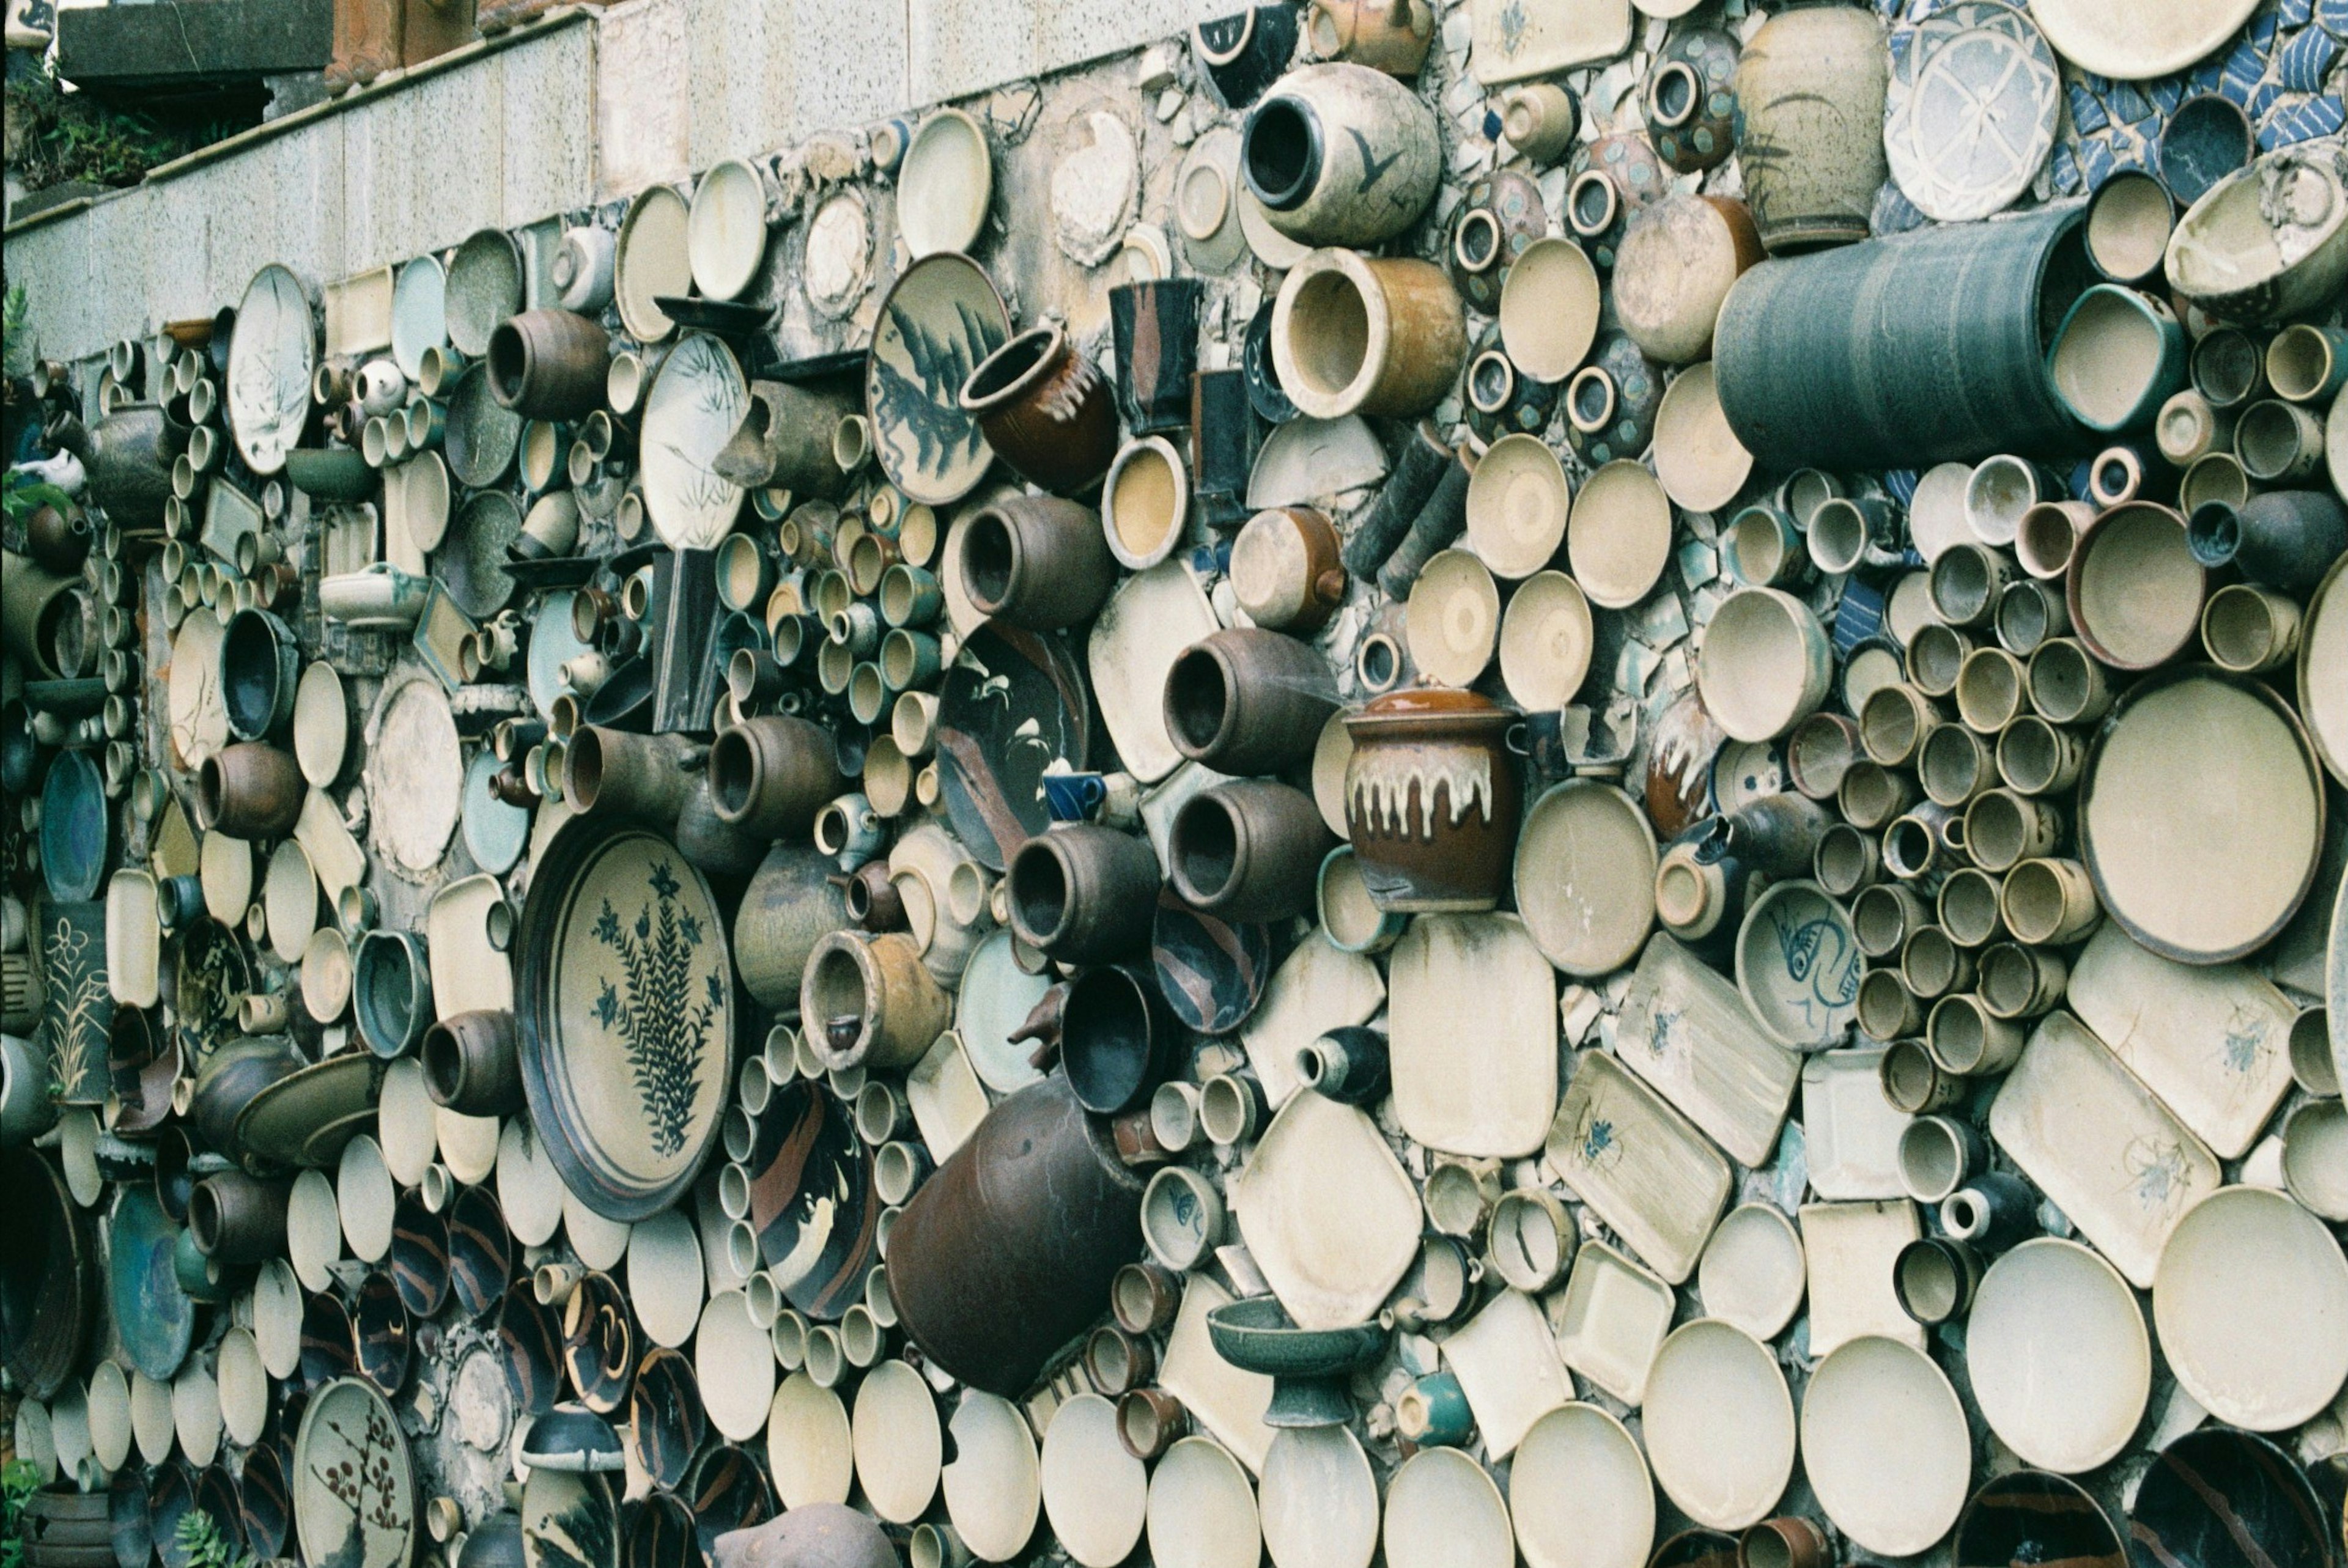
(1415, 474)
(1927, 347)
(239, 1218)
(1248, 850)
(1440, 520)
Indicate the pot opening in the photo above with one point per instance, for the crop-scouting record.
(2108, 356)
(2045, 538)
(211, 791)
(508, 364)
(251, 674)
(1478, 243)
(443, 1063)
(2215, 534)
(2226, 367)
(1949, 763)
(1329, 333)
(2028, 755)
(1679, 892)
(1838, 535)
(2061, 681)
(1843, 862)
(1929, 1286)
(1105, 1039)
(2127, 226)
(1878, 920)
(840, 1002)
(1490, 380)
(1969, 906)
(2238, 628)
(1931, 1159)
(1591, 204)
(1136, 1424)
(1961, 583)
(1964, 1214)
(1937, 657)
(1039, 890)
(1671, 101)
(204, 1216)
(1908, 1076)
(1312, 1066)
(1590, 399)
(1206, 849)
(1146, 499)
(582, 769)
(1378, 662)
(1766, 1549)
(1758, 546)
(990, 559)
(385, 990)
(1956, 1036)
(2298, 362)
(1283, 152)
(1000, 374)
(2116, 477)
(1197, 700)
(1883, 1004)
(1907, 847)
(2008, 979)
(1995, 829)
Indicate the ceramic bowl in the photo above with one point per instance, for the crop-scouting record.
(2207, 138)
(1580, 1492)
(1765, 665)
(1181, 1217)
(726, 229)
(2028, 1516)
(1546, 640)
(1885, 1445)
(2058, 1356)
(2251, 1302)
(480, 1251)
(1548, 309)
(1202, 1509)
(1753, 1270)
(2315, 1157)
(1319, 1500)
(2229, 1500)
(1517, 503)
(1697, 457)
(2117, 358)
(1585, 876)
(1095, 1495)
(1719, 1424)
(1444, 1509)
(484, 287)
(943, 184)
(1145, 502)
(1453, 620)
(2128, 225)
(653, 259)
(808, 1444)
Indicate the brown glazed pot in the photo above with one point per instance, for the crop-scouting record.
(1083, 892)
(549, 364)
(868, 1001)
(1037, 561)
(1047, 410)
(249, 790)
(1250, 850)
(226, 1085)
(239, 1218)
(1432, 802)
(773, 775)
(618, 773)
(1245, 701)
(472, 1064)
(1005, 1254)
(790, 904)
(812, 1535)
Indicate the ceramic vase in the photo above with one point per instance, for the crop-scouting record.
(249, 790)
(1432, 802)
(1036, 561)
(1810, 93)
(238, 1218)
(549, 364)
(1248, 850)
(1045, 409)
(2285, 539)
(615, 774)
(772, 775)
(786, 441)
(1154, 328)
(1389, 35)
(471, 1064)
(1341, 155)
(1082, 893)
(867, 1002)
(1244, 701)
(1358, 334)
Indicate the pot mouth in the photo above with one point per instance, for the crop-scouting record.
(508, 364)
(1199, 700)
(1011, 370)
(1280, 152)
(1491, 382)
(1592, 204)
(1590, 399)
(1334, 333)
(990, 559)
(1476, 245)
(1205, 849)
(1673, 94)
(1223, 40)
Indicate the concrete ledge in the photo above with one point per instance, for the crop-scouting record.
(204, 41)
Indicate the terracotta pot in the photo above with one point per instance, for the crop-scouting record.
(1432, 802)
(786, 441)
(1036, 561)
(1389, 35)
(1810, 91)
(1082, 893)
(1359, 334)
(1341, 155)
(249, 790)
(1285, 571)
(1245, 701)
(1248, 850)
(790, 906)
(1006, 1254)
(867, 1002)
(1045, 409)
(473, 1065)
(239, 1219)
(772, 775)
(549, 364)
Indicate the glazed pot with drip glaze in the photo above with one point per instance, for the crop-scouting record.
(1045, 409)
(1432, 800)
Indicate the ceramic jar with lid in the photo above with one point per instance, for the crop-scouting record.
(1432, 801)
(1809, 109)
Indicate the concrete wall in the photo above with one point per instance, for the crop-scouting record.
(584, 107)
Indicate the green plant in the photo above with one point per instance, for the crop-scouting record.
(18, 1481)
(200, 1541)
(56, 137)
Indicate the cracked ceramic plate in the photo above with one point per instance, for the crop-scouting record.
(1971, 111)
(270, 358)
(941, 318)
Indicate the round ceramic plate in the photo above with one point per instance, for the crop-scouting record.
(1753, 1270)
(470, 562)
(1580, 1492)
(530, 1193)
(313, 1231)
(695, 401)
(898, 1447)
(1150, 619)
(2250, 1301)
(600, 1243)
(2057, 1350)
(198, 716)
(152, 1315)
(1971, 111)
(725, 231)
(1095, 1495)
(2323, 654)
(1206, 201)
(1697, 457)
(1885, 1446)
(326, 974)
(243, 1386)
(270, 359)
(1936, 512)
(1620, 536)
(1203, 1511)
(941, 318)
(1443, 1510)
(1585, 877)
(495, 831)
(995, 998)
(364, 1199)
(665, 1277)
(810, 1447)
(626, 1012)
(943, 184)
(734, 1362)
(419, 318)
(1211, 972)
(322, 725)
(2120, 39)
(73, 828)
(2193, 883)
(993, 1488)
(654, 257)
(813, 1205)
(1517, 507)
(415, 777)
(1453, 617)
(289, 898)
(484, 288)
(224, 866)
(482, 435)
(569, 1519)
(1798, 966)
(354, 1479)
(277, 1318)
(195, 1416)
(1012, 708)
(1719, 1424)
(404, 1129)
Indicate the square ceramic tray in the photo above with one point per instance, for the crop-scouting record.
(1328, 1213)
(2212, 1041)
(1229, 1402)
(2100, 1145)
(1851, 1249)
(1685, 1030)
(1853, 1131)
(1507, 1362)
(1611, 1319)
(1471, 1029)
(1641, 1165)
(1514, 40)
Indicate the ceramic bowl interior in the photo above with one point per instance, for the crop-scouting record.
(2060, 1360)
(1548, 309)
(1757, 669)
(1719, 1424)
(1798, 965)
(2110, 357)
(2135, 588)
(2247, 1299)
(1145, 502)
(943, 184)
(1697, 457)
(1546, 640)
(1753, 1270)
(1619, 534)
(1516, 506)
(1453, 617)
(1444, 1509)
(726, 229)
(654, 258)
(1579, 1494)
(2128, 225)
(2210, 1489)
(1181, 1217)
(1885, 1445)
(2315, 1157)
(1585, 876)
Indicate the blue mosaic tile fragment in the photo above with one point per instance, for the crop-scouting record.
(2332, 15)
(2298, 121)
(2088, 115)
(2068, 180)
(2261, 28)
(2294, 13)
(2096, 162)
(2166, 93)
(2244, 69)
(2300, 64)
(2262, 98)
(1901, 483)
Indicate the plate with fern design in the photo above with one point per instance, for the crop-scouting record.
(941, 317)
(626, 1013)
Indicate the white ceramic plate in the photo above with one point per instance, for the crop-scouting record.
(1619, 536)
(1546, 640)
(1095, 1495)
(403, 1122)
(1452, 622)
(277, 1318)
(691, 410)
(897, 1442)
(414, 776)
(665, 1277)
(419, 313)
(1139, 634)
(1580, 1492)
(1203, 1511)
(1851, 1249)
(1611, 1320)
(1227, 1402)
(289, 898)
(134, 939)
(1585, 878)
(1684, 1029)
(364, 1199)
(1753, 1270)
(601, 1243)
(1471, 1034)
(1328, 1213)
(270, 358)
(1719, 1424)
(994, 1485)
(1516, 506)
(995, 997)
(726, 229)
(468, 1145)
(2323, 635)
(1316, 988)
(198, 716)
(529, 1189)
(735, 1361)
(810, 1446)
(2250, 1301)
(321, 723)
(226, 870)
(654, 257)
(2057, 1355)
(1697, 455)
(1885, 1446)
(1319, 1500)
(944, 184)
(2114, 38)
(1638, 1163)
(243, 1386)
(1444, 1511)
(150, 1419)
(1506, 1359)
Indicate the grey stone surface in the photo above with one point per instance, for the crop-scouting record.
(209, 41)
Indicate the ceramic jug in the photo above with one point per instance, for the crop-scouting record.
(249, 790)
(238, 1218)
(1083, 892)
(1045, 409)
(1037, 561)
(1341, 155)
(1809, 108)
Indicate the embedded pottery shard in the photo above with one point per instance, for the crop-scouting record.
(1685, 1030)
(2102, 1148)
(1511, 44)
(1638, 1163)
(1473, 1035)
(1229, 1401)
(1328, 1213)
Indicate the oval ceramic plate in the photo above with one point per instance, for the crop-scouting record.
(665, 1277)
(1319, 1500)
(2118, 39)
(735, 1363)
(993, 1488)
(2324, 649)
(1580, 1492)
(1620, 536)
(484, 288)
(73, 828)
(1443, 1510)
(941, 318)
(695, 401)
(1697, 455)
(415, 777)
(270, 358)
(813, 1205)
(1885, 1446)
(2251, 1300)
(725, 231)
(809, 1448)
(1545, 642)
(322, 725)
(2192, 884)
(1719, 1424)
(552, 643)
(897, 1445)
(354, 1479)
(943, 184)
(995, 997)
(1013, 708)
(2057, 1354)
(653, 258)
(199, 715)
(1203, 1511)
(626, 1015)
(1585, 877)
(471, 560)
(1095, 1494)
(482, 436)
(290, 896)
(495, 832)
